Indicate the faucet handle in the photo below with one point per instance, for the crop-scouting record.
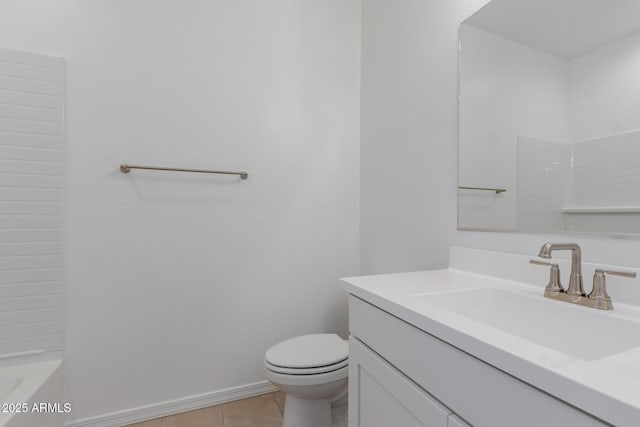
(554, 286)
(538, 262)
(631, 274)
(599, 293)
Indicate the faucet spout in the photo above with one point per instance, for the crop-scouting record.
(575, 279)
(545, 251)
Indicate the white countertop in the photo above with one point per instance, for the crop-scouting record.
(608, 388)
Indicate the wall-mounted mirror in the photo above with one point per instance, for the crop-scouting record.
(550, 112)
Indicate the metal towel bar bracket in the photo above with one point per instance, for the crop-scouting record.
(124, 168)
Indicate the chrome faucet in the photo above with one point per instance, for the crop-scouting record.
(575, 288)
(598, 298)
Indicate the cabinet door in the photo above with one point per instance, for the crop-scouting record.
(381, 396)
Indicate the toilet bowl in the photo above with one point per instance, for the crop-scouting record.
(312, 371)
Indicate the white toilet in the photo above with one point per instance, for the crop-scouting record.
(312, 371)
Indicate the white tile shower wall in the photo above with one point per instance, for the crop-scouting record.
(542, 182)
(606, 172)
(32, 91)
(605, 176)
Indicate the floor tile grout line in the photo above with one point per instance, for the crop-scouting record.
(273, 396)
(277, 404)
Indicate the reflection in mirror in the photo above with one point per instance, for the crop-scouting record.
(550, 112)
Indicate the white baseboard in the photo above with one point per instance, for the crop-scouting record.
(184, 404)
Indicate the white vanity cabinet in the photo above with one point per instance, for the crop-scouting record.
(403, 376)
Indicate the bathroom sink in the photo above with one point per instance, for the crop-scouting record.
(581, 333)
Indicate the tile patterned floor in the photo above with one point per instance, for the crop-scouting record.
(260, 411)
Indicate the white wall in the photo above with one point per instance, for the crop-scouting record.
(605, 90)
(32, 89)
(408, 112)
(416, 229)
(507, 90)
(178, 283)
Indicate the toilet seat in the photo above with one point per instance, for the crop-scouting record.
(308, 380)
(306, 371)
(308, 355)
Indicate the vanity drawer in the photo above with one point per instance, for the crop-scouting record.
(471, 388)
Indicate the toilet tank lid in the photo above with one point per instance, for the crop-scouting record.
(308, 351)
